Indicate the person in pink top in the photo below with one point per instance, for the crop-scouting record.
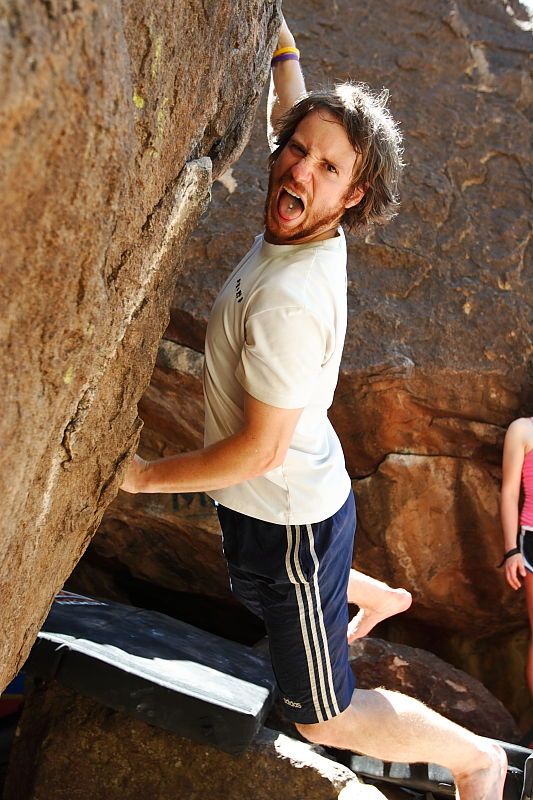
(517, 469)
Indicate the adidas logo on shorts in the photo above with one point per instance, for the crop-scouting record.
(292, 703)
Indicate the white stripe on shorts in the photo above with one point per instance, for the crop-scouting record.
(303, 626)
(321, 621)
(316, 639)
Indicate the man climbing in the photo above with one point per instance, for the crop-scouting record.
(272, 460)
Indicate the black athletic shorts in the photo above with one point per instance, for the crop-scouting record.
(525, 542)
(295, 578)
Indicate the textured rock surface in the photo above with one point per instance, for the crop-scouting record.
(71, 748)
(103, 106)
(431, 524)
(420, 674)
(435, 359)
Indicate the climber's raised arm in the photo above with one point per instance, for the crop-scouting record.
(286, 81)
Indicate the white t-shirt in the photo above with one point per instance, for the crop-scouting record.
(277, 331)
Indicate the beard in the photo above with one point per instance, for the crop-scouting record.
(315, 223)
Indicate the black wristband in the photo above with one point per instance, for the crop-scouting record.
(513, 552)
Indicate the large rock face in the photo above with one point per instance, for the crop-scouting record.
(435, 360)
(113, 117)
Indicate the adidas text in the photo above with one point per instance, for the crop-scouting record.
(292, 703)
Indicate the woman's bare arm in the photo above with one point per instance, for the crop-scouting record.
(513, 459)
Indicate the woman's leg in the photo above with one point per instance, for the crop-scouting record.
(529, 597)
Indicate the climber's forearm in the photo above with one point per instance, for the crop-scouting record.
(259, 447)
(287, 83)
(231, 461)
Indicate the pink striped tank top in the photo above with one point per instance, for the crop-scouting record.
(526, 515)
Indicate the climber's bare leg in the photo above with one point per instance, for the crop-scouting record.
(376, 601)
(394, 727)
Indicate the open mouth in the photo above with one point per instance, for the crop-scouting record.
(290, 205)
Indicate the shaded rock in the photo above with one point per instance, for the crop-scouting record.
(174, 542)
(419, 673)
(172, 408)
(443, 688)
(112, 118)
(71, 748)
(498, 661)
(171, 540)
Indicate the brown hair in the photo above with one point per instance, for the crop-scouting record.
(374, 136)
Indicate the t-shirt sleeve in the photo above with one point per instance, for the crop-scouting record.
(283, 354)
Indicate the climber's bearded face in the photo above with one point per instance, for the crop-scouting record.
(311, 182)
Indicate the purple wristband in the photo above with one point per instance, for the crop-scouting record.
(284, 57)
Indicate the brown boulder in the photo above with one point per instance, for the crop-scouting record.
(113, 116)
(422, 675)
(417, 377)
(70, 748)
(431, 524)
(435, 362)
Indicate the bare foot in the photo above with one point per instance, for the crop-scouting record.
(394, 602)
(485, 783)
